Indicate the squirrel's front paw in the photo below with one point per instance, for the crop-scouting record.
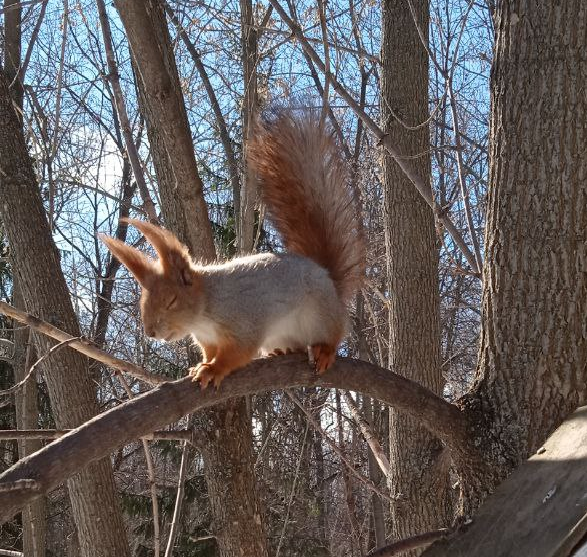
(205, 373)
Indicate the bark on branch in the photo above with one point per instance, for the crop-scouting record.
(168, 402)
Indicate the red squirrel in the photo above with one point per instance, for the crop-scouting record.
(269, 302)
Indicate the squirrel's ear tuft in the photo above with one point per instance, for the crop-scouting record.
(141, 266)
(174, 256)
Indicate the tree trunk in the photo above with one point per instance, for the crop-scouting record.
(34, 522)
(148, 36)
(248, 194)
(228, 468)
(92, 492)
(531, 372)
(225, 431)
(419, 468)
(12, 47)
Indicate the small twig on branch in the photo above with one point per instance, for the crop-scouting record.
(81, 345)
(10, 553)
(174, 528)
(368, 434)
(411, 543)
(31, 372)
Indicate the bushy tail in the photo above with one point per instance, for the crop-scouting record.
(309, 198)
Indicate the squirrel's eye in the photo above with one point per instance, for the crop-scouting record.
(172, 302)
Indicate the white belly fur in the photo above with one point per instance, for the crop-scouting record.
(295, 331)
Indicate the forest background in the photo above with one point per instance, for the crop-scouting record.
(146, 109)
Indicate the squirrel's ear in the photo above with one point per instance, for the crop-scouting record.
(174, 255)
(141, 266)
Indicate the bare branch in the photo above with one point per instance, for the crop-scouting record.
(170, 401)
(368, 434)
(10, 553)
(82, 345)
(164, 435)
(31, 372)
(120, 105)
(19, 485)
(174, 528)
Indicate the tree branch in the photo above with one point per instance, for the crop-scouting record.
(82, 345)
(170, 401)
(163, 435)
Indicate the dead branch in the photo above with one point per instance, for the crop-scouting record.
(170, 401)
(83, 345)
(25, 484)
(10, 553)
(368, 434)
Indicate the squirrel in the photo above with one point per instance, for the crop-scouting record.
(268, 303)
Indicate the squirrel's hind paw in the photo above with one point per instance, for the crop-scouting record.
(324, 356)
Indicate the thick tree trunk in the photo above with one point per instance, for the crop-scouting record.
(225, 431)
(531, 371)
(418, 480)
(92, 492)
(237, 521)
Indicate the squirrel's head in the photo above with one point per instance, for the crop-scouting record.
(171, 291)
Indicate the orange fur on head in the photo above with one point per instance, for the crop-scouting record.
(172, 293)
(308, 194)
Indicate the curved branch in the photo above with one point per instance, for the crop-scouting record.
(167, 403)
